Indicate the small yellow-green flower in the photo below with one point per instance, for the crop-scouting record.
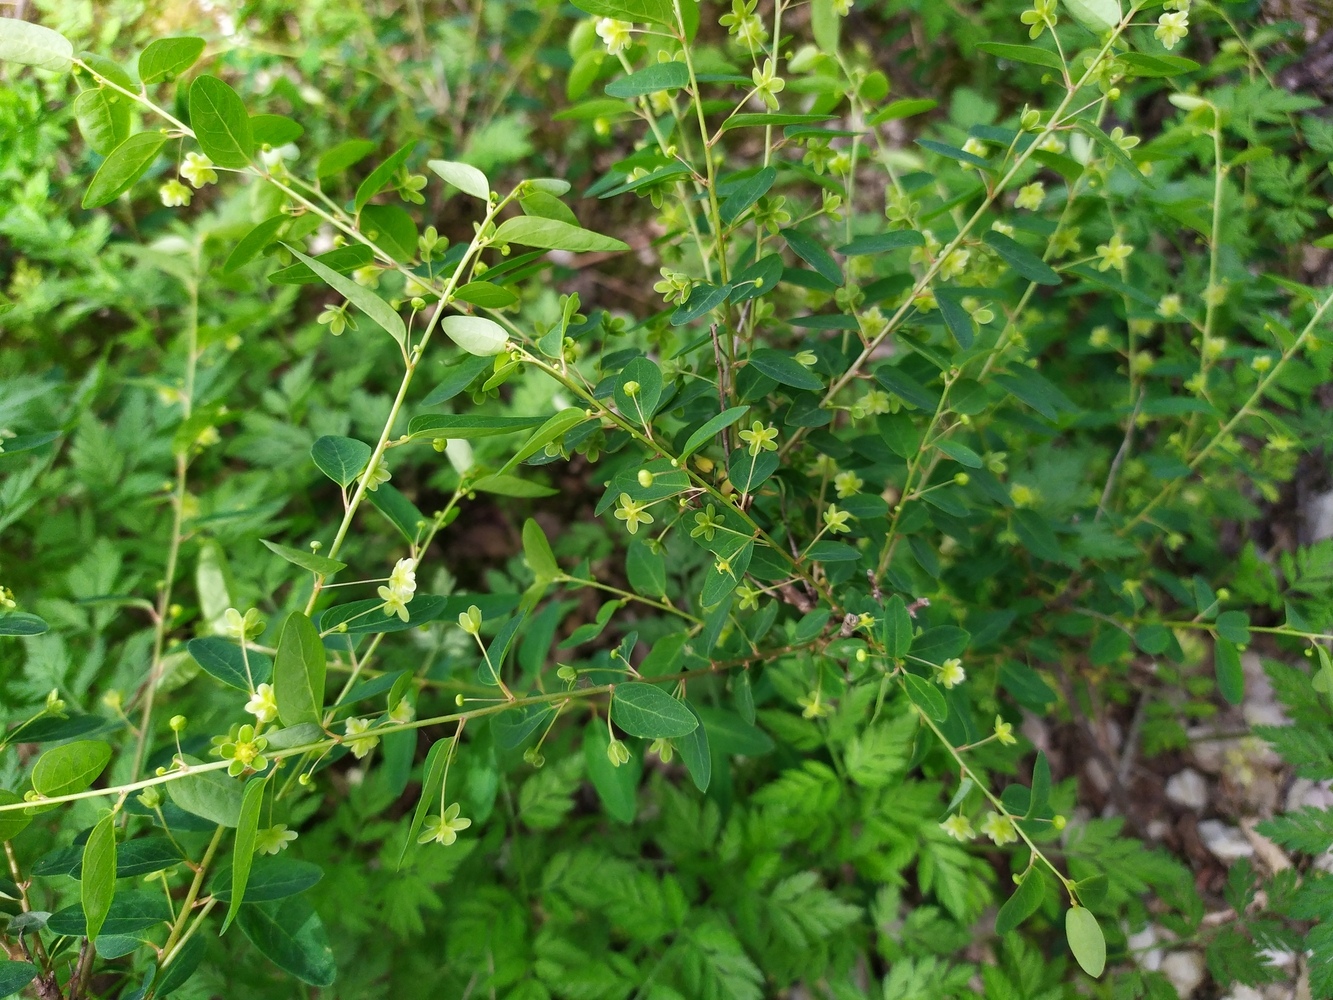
(760, 438)
(379, 475)
(812, 707)
(274, 839)
(198, 170)
(706, 523)
(617, 753)
(358, 744)
(174, 194)
(836, 520)
(632, 513)
(1114, 253)
(616, 35)
(999, 828)
(263, 704)
(470, 620)
(959, 827)
(1030, 196)
(1004, 732)
(847, 483)
(1171, 28)
(951, 673)
(244, 750)
(443, 829)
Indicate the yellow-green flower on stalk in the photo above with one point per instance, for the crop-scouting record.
(959, 827)
(360, 745)
(632, 513)
(444, 829)
(760, 438)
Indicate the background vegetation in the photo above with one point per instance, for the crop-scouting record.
(641, 500)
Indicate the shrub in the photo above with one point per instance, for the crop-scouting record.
(718, 619)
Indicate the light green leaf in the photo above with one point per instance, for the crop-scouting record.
(342, 156)
(15, 821)
(551, 234)
(224, 660)
(646, 569)
(505, 485)
(70, 768)
(1086, 940)
(649, 712)
(696, 753)
(897, 628)
(167, 58)
(104, 118)
(247, 829)
(380, 177)
(825, 24)
(640, 407)
(555, 427)
(32, 45)
(220, 122)
(466, 425)
(298, 671)
(486, 294)
(1026, 263)
(475, 334)
(127, 163)
(97, 882)
(463, 176)
(340, 458)
(1098, 16)
(1023, 53)
(537, 551)
(208, 794)
(635, 11)
(926, 697)
(657, 77)
(432, 770)
(305, 559)
(379, 311)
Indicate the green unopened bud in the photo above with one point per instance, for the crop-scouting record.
(470, 620)
(458, 700)
(150, 798)
(567, 673)
(1058, 822)
(962, 479)
(439, 444)
(178, 723)
(534, 757)
(631, 388)
(418, 303)
(645, 478)
(617, 753)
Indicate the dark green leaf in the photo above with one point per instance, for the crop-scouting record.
(224, 660)
(1023, 53)
(882, 243)
(209, 794)
(15, 975)
(617, 787)
(926, 697)
(305, 558)
(1025, 901)
(782, 367)
(289, 934)
(22, 623)
(813, 253)
(713, 427)
(342, 459)
(1023, 261)
(1230, 674)
(649, 712)
(380, 177)
(98, 880)
(220, 122)
(380, 312)
(247, 829)
(342, 156)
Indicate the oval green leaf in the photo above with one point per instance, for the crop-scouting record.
(649, 712)
(220, 123)
(1086, 940)
(127, 163)
(70, 768)
(298, 672)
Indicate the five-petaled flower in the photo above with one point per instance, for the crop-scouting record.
(402, 585)
(358, 744)
(706, 523)
(999, 828)
(812, 706)
(274, 839)
(443, 829)
(1030, 196)
(951, 673)
(244, 750)
(616, 35)
(174, 194)
(1004, 732)
(959, 827)
(1171, 28)
(1113, 253)
(760, 438)
(263, 704)
(836, 520)
(198, 170)
(847, 483)
(632, 513)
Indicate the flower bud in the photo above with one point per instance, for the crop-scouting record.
(645, 478)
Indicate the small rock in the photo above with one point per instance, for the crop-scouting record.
(1185, 969)
(1314, 794)
(1158, 828)
(1227, 843)
(1188, 789)
(1241, 992)
(1141, 946)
